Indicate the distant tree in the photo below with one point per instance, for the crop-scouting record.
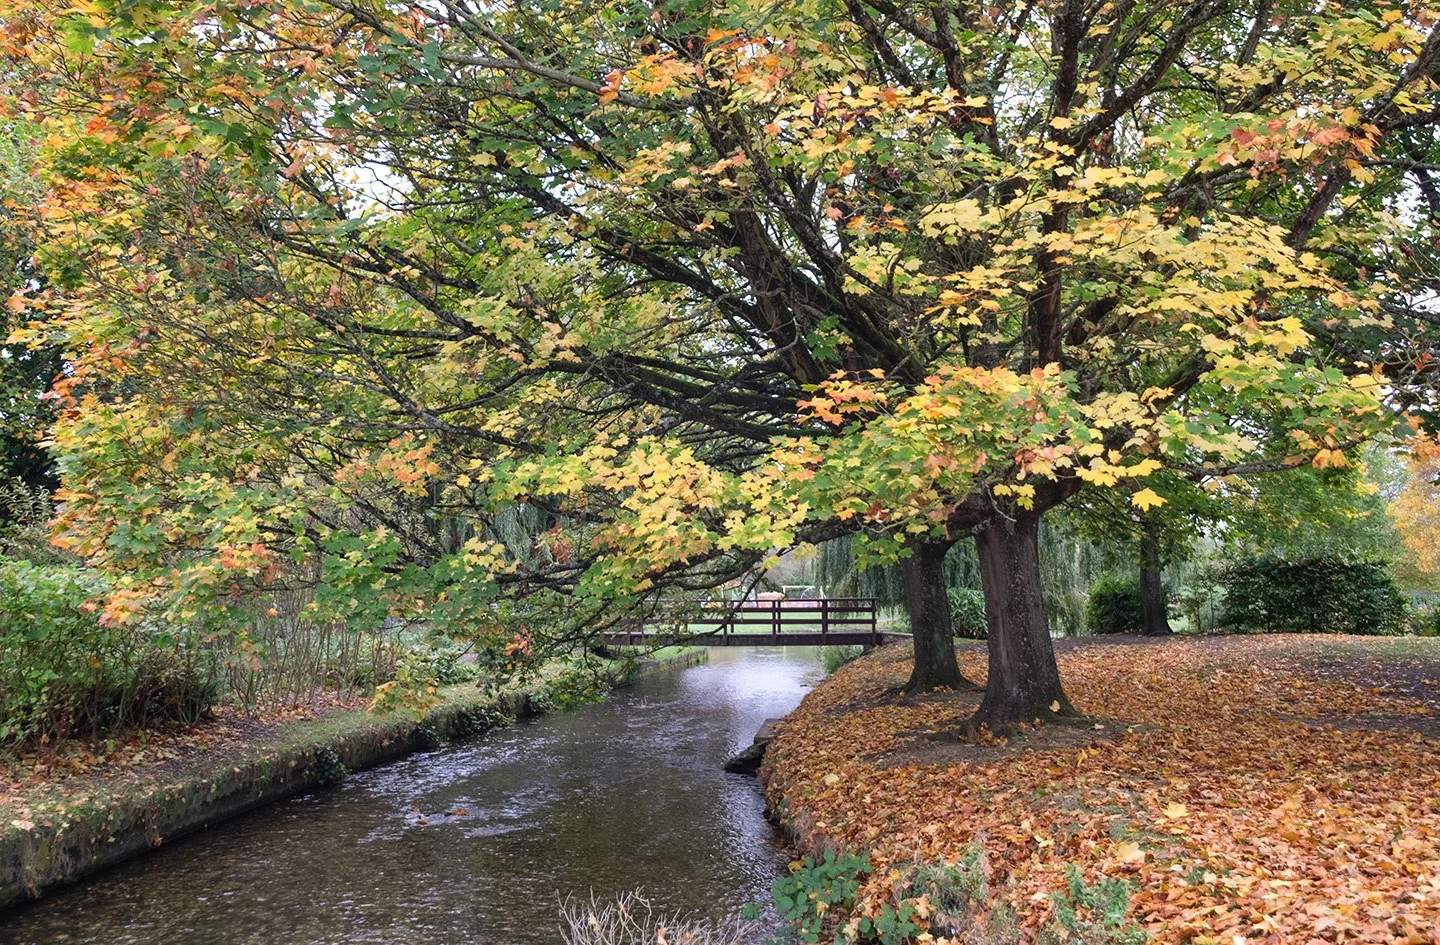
(1416, 514)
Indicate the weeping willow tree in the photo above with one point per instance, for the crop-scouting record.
(1069, 564)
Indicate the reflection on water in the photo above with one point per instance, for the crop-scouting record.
(610, 797)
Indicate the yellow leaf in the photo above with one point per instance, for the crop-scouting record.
(1055, 706)
(1128, 852)
(1175, 810)
(1146, 499)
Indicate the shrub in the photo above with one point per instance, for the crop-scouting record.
(967, 613)
(25, 514)
(1424, 619)
(1318, 595)
(1114, 606)
(1065, 606)
(63, 673)
(445, 664)
(283, 657)
(834, 657)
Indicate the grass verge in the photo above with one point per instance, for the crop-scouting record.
(60, 832)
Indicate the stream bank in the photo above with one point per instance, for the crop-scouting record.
(123, 817)
(477, 842)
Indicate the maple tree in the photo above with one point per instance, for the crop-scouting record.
(349, 283)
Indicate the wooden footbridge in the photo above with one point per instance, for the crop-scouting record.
(831, 621)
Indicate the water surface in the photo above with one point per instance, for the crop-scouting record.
(611, 797)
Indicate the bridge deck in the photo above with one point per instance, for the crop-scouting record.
(836, 621)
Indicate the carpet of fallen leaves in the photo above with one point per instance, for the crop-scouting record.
(1276, 790)
(48, 778)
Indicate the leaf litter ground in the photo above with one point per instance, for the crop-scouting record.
(1271, 789)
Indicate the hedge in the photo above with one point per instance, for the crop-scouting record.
(1114, 606)
(1317, 595)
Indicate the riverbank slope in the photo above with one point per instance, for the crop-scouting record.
(1244, 789)
(57, 832)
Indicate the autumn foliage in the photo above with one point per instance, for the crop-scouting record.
(349, 286)
(1416, 510)
(1277, 792)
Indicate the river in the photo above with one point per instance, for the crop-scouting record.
(616, 796)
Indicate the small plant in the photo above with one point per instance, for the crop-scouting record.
(967, 613)
(328, 767)
(1424, 619)
(451, 667)
(477, 721)
(1092, 915)
(540, 702)
(834, 657)
(954, 889)
(816, 890)
(820, 895)
(427, 736)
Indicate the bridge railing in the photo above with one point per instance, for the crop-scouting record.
(840, 620)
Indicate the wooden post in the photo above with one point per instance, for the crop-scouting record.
(874, 623)
(824, 619)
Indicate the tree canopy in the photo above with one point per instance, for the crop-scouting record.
(349, 283)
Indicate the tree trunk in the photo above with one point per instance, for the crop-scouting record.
(1024, 681)
(930, 621)
(1155, 623)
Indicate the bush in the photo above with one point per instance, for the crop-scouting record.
(65, 674)
(1065, 607)
(1424, 619)
(1318, 595)
(1114, 606)
(967, 613)
(834, 657)
(25, 514)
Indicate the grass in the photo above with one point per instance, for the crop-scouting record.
(1426, 647)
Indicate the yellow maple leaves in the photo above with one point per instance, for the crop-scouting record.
(1146, 499)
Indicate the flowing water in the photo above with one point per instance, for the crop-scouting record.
(624, 794)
